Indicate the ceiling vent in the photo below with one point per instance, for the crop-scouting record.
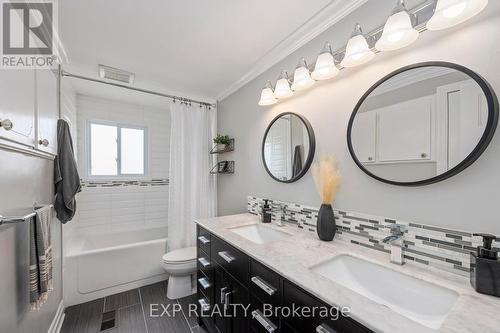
(115, 74)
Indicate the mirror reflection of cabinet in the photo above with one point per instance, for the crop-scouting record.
(364, 133)
(397, 133)
(422, 124)
(404, 131)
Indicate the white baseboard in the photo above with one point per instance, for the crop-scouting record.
(57, 322)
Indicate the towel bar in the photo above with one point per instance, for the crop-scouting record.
(20, 218)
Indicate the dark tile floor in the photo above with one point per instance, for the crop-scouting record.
(133, 311)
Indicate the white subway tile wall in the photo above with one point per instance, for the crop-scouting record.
(118, 206)
(121, 208)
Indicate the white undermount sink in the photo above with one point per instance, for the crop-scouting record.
(418, 300)
(259, 234)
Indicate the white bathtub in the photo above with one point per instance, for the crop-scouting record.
(102, 265)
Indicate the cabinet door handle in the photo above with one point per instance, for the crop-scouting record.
(204, 262)
(266, 323)
(324, 328)
(370, 158)
(263, 285)
(43, 142)
(205, 306)
(6, 124)
(204, 239)
(226, 299)
(423, 155)
(204, 283)
(223, 295)
(226, 256)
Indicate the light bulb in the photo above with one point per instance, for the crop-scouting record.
(325, 65)
(302, 77)
(449, 13)
(267, 95)
(398, 30)
(357, 51)
(282, 89)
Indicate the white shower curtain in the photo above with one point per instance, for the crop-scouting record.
(192, 192)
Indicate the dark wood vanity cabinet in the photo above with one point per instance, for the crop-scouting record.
(235, 293)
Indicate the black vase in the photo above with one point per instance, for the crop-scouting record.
(326, 226)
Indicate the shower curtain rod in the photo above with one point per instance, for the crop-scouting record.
(172, 97)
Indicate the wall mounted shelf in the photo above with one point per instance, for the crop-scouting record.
(223, 167)
(217, 149)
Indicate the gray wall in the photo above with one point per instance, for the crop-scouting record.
(467, 201)
(24, 180)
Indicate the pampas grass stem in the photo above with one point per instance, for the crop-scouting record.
(327, 178)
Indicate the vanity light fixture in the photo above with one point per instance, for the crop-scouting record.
(398, 30)
(267, 95)
(401, 29)
(325, 67)
(302, 76)
(449, 13)
(282, 89)
(357, 51)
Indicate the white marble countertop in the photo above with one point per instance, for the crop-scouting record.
(293, 256)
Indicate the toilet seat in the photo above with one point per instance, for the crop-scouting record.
(180, 256)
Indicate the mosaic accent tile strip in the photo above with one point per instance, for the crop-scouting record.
(119, 183)
(442, 248)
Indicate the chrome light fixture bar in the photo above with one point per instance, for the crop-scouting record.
(401, 29)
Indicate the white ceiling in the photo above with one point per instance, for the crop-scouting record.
(198, 48)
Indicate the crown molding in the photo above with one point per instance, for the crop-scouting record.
(321, 21)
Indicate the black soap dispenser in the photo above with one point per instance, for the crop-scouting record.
(485, 267)
(266, 212)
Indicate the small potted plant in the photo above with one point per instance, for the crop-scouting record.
(327, 179)
(222, 141)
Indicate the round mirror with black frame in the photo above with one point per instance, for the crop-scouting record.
(288, 147)
(422, 124)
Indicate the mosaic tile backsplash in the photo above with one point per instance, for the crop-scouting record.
(122, 183)
(446, 249)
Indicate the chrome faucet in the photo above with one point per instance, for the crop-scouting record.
(396, 240)
(281, 220)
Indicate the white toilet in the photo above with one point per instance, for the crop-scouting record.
(180, 265)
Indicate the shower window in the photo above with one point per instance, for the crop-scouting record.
(117, 150)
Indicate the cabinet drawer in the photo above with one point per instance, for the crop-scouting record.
(204, 309)
(203, 242)
(264, 283)
(259, 322)
(202, 231)
(232, 260)
(205, 285)
(204, 263)
(335, 324)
